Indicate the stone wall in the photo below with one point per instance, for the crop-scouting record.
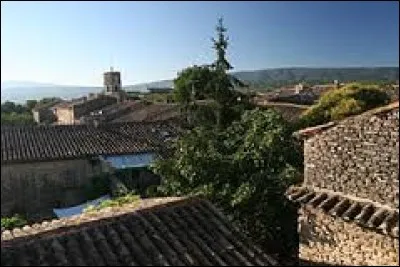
(332, 241)
(359, 157)
(36, 188)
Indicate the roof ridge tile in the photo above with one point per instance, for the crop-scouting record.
(367, 214)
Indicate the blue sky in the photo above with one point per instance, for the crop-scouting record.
(72, 43)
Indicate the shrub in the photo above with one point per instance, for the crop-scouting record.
(13, 222)
(99, 185)
(117, 202)
(337, 104)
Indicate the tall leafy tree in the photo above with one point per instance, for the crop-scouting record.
(245, 169)
(220, 45)
(244, 165)
(230, 103)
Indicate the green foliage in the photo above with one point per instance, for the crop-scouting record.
(213, 83)
(14, 118)
(10, 107)
(13, 222)
(340, 103)
(220, 45)
(99, 186)
(244, 165)
(193, 83)
(30, 104)
(16, 114)
(117, 202)
(245, 168)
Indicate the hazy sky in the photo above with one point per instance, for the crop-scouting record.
(72, 43)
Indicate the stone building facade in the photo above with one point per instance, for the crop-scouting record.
(350, 195)
(70, 113)
(356, 155)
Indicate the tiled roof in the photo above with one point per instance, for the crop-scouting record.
(47, 105)
(362, 212)
(311, 131)
(34, 143)
(151, 112)
(171, 231)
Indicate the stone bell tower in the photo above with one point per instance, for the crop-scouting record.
(112, 81)
(112, 85)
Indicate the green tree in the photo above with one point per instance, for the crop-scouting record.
(349, 100)
(9, 107)
(193, 83)
(14, 118)
(15, 114)
(245, 169)
(220, 45)
(30, 104)
(211, 82)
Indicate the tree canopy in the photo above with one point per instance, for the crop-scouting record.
(242, 159)
(16, 114)
(211, 82)
(244, 168)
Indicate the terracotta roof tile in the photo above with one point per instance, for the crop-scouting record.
(364, 213)
(153, 112)
(33, 143)
(166, 231)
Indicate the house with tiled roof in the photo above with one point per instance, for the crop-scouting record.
(152, 232)
(349, 199)
(47, 167)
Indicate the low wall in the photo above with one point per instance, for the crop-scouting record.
(327, 240)
(34, 189)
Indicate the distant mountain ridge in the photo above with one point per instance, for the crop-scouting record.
(12, 91)
(280, 76)
(272, 76)
(145, 86)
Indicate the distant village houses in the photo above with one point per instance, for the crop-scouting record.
(111, 105)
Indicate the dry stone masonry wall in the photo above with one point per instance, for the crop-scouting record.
(328, 240)
(359, 157)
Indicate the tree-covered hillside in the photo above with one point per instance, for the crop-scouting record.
(272, 78)
(285, 76)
